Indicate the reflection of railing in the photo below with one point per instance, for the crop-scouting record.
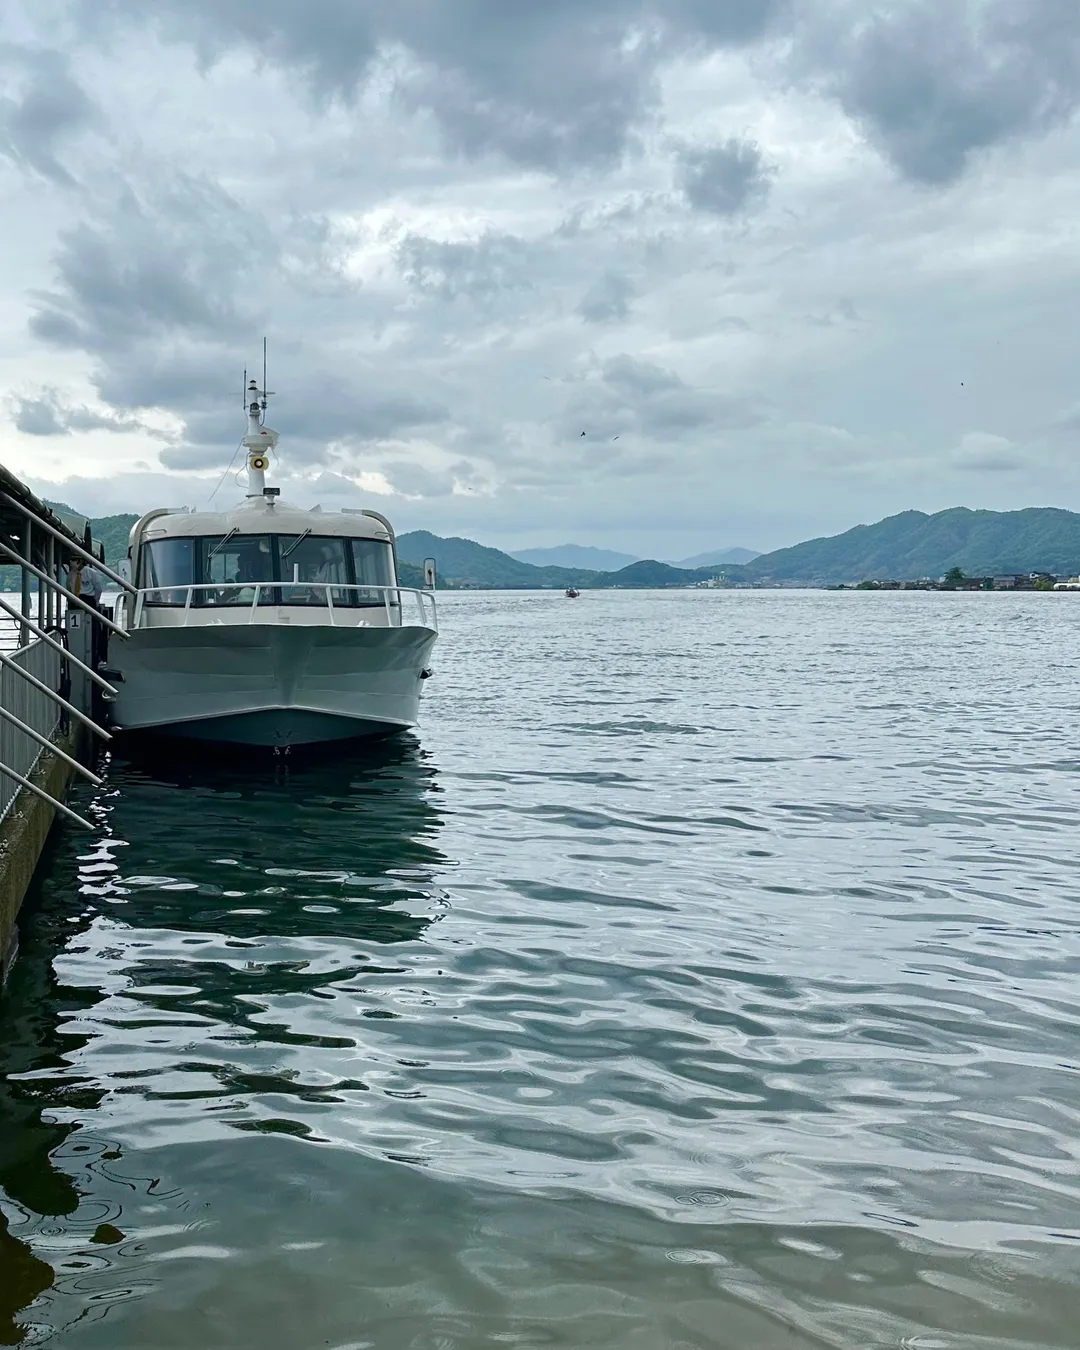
(323, 595)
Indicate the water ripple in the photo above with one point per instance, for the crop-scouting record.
(746, 1020)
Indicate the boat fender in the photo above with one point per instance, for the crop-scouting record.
(426, 674)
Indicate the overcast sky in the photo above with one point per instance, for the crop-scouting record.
(811, 262)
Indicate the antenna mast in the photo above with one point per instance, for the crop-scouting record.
(260, 439)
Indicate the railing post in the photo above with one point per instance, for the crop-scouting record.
(27, 545)
(30, 678)
(51, 642)
(47, 566)
(86, 554)
(42, 592)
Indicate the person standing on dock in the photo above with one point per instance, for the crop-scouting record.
(88, 584)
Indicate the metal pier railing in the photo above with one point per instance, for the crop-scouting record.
(30, 720)
(44, 684)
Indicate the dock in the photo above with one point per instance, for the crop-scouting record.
(53, 688)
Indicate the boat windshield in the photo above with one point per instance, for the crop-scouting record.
(287, 569)
(164, 564)
(308, 558)
(373, 565)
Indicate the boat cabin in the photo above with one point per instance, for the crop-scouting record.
(308, 566)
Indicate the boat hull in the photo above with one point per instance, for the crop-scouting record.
(270, 685)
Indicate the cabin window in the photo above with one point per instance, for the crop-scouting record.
(308, 564)
(373, 562)
(236, 563)
(225, 569)
(167, 569)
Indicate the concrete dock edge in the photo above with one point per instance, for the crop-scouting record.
(22, 837)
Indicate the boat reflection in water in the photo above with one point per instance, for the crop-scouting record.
(204, 977)
(265, 849)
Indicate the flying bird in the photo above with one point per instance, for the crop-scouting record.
(583, 433)
(614, 438)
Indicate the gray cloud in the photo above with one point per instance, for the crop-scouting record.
(570, 82)
(979, 451)
(365, 408)
(38, 417)
(730, 23)
(193, 457)
(474, 270)
(49, 109)
(608, 299)
(48, 415)
(321, 413)
(724, 180)
(934, 83)
(456, 224)
(627, 397)
(174, 259)
(546, 85)
(164, 288)
(414, 480)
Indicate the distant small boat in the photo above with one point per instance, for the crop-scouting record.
(571, 594)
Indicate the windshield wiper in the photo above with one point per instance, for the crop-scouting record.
(295, 544)
(223, 541)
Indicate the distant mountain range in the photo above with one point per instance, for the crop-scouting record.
(913, 544)
(461, 562)
(605, 560)
(902, 547)
(718, 556)
(576, 555)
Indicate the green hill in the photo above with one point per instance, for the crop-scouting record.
(902, 547)
(649, 573)
(464, 561)
(914, 544)
(112, 531)
(460, 562)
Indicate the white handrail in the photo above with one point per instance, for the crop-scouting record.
(390, 596)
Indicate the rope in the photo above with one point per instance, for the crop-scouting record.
(225, 474)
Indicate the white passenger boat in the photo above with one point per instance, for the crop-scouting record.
(268, 625)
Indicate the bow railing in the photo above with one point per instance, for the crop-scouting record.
(337, 598)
